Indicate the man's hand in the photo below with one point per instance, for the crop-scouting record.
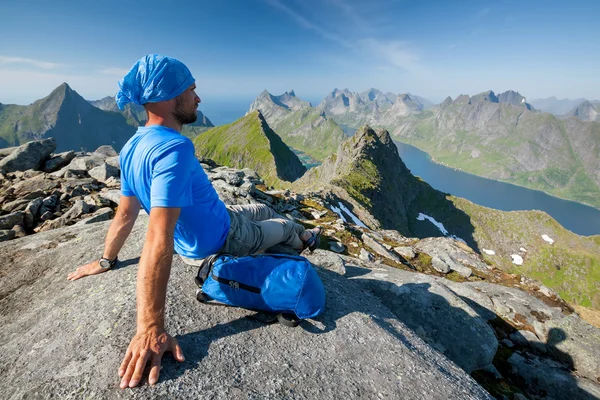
(147, 346)
(92, 268)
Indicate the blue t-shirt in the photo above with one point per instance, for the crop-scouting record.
(158, 166)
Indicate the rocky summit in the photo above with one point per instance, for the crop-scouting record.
(405, 317)
(301, 126)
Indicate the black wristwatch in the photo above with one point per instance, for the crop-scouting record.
(105, 263)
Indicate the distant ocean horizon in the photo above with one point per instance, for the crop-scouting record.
(224, 111)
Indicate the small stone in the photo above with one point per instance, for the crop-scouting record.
(48, 215)
(106, 151)
(439, 265)
(508, 343)
(366, 256)
(103, 214)
(405, 251)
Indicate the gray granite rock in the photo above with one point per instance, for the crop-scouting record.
(106, 151)
(111, 195)
(32, 211)
(86, 163)
(66, 339)
(102, 214)
(406, 252)
(576, 343)
(365, 255)
(31, 155)
(6, 234)
(102, 172)
(58, 161)
(547, 379)
(440, 265)
(15, 205)
(452, 252)
(12, 219)
(113, 161)
(379, 248)
(434, 312)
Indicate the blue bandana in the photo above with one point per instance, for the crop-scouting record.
(153, 78)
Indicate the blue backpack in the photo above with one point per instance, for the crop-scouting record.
(285, 285)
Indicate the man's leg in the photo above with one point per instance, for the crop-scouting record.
(255, 212)
(279, 230)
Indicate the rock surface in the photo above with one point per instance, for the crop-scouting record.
(28, 156)
(68, 338)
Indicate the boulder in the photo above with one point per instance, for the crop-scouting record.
(328, 260)
(576, 343)
(113, 196)
(12, 219)
(103, 172)
(21, 189)
(406, 252)
(58, 161)
(378, 248)
(514, 305)
(79, 208)
(439, 265)
(15, 205)
(102, 214)
(365, 255)
(86, 163)
(76, 334)
(6, 234)
(31, 155)
(527, 338)
(106, 151)
(457, 255)
(32, 211)
(546, 378)
(431, 309)
(113, 161)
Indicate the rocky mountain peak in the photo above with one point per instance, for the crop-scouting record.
(488, 96)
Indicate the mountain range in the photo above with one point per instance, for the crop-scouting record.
(558, 106)
(76, 123)
(366, 180)
(250, 143)
(301, 126)
(501, 137)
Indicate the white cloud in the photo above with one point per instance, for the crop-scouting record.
(5, 60)
(305, 23)
(394, 52)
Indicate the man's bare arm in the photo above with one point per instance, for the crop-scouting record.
(119, 230)
(151, 340)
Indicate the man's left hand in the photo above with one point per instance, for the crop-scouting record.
(149, 345)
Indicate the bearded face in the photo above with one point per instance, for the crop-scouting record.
(185, 114)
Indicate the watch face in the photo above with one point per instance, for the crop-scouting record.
(104, 263)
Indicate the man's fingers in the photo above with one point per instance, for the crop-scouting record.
(125, 363)
(154, 369)
(177, 352)
(139, 369)
(129, 371)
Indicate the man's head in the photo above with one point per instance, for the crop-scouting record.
(163, 85)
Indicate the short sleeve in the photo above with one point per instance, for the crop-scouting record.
(125, 189)
(172, 177)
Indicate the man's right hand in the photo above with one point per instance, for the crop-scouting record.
(149, 345)
(92, 268)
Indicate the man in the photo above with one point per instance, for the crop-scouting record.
(160, 173)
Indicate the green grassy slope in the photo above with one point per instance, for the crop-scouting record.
(250, 143)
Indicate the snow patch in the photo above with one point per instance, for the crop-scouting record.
(489, 252)
(439, 225)
(343, 208)
(517, 259)
(354, 217)
(547, 238)
(338, 212)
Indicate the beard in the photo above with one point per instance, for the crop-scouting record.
(181, 115)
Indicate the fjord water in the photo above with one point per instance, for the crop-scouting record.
(576, 217)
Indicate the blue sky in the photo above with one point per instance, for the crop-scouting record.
(236, 49)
